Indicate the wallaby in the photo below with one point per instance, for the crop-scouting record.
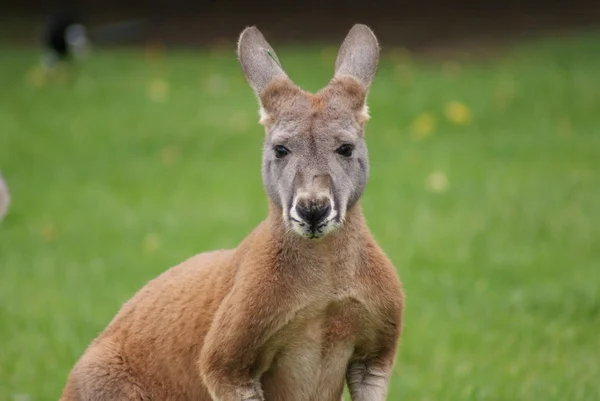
(307, 301)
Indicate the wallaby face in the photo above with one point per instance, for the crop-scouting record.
(315, 160)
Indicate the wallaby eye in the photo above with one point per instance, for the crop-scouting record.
(281, 151)
(345, 150)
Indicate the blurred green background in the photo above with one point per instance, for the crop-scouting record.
(484, 191)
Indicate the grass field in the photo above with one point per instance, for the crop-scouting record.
(485, 192)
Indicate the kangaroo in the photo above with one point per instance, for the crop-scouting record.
(306, 302)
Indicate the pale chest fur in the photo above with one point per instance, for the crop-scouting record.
(307, 358)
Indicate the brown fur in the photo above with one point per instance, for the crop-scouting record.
(279, 318)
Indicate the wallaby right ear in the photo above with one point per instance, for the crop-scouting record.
(259, 61)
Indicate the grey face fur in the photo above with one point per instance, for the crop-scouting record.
(315, 160)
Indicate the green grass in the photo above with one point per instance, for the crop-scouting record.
(501, 266)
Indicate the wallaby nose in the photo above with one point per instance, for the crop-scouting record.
(313, 213)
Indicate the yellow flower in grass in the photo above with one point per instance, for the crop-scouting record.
(458, 113)
(438, 181)
(423, 126)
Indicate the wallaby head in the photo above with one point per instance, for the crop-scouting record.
(315, 161)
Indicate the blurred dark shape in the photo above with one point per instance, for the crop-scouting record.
(4, 197)
(63, 37)
(66, 38)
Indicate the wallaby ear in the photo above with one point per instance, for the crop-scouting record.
(259, 61)
(358, 56)
(262, 68)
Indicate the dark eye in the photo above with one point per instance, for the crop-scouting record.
(281, 151)
(345, 150)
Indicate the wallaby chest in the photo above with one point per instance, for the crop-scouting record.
(307, 359)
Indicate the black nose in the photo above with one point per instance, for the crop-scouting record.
(313, 213)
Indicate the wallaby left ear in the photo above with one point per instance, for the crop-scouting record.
(358, 56)
(265, 75)
(258, 60)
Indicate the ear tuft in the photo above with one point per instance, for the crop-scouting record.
(363, 115)
(265, 117)
(358, 56)
(258, 59)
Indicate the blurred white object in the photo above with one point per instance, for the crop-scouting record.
(4, 197)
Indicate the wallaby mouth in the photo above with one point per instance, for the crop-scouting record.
(313, 218)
